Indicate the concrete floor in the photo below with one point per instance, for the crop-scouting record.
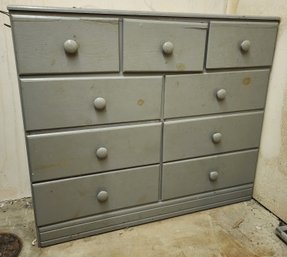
(238, 230)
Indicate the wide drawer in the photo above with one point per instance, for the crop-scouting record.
(78, 102)
(240, 44)
(73, 198)
(210, 135)
(65, 154)
(163, 45)
(52, 44)
(189, 177)
(188, 95)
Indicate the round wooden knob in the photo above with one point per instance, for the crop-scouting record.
(71, 46)
(216, 138)
(102, 196)
(102, 153)
(245, 46)
(167, 48)
(213, 175)
(100, 103)
(221, 94)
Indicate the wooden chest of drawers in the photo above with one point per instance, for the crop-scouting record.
(136, 117)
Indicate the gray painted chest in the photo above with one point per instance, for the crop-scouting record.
(136, 117)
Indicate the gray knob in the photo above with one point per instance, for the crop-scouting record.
(216, 138)
(100, 103)
(102, 196)
(221, 94)
(167, 48)
(102, 153)
(213, 175)
(71, 46)
(245, 45)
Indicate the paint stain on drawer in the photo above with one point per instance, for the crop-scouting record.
(140, 102)
(180, 66)
(51, 166)
(246, 81)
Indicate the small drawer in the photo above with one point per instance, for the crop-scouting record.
(66, 154)
(210, 135)
(240, 44)
(73, 198)
(198, 94)
(199, 175)
(51, 44)
(163, 45)
(84, 101)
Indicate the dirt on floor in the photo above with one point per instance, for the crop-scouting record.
(239, 230)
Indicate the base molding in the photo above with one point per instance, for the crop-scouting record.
(93, 225)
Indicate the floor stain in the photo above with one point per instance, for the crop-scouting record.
(229, 247)
(207, 233)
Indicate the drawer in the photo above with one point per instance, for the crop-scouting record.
(78, 102)
(215, 93)
(65, 154)
(51, 44)
(240, 44)
(210, 135)
(73, 198)
(163, 45)
(199, 175)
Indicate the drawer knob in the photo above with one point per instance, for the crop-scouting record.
(216, 138)
(102, 153)
(71, 46)
(221, 94)
(245, 46)
(102, 196)
(100, 103)
(213, 175)
(167, 48)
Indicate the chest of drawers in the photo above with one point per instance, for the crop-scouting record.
(136, 117)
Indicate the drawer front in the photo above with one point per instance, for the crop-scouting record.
(215, 93)
(50, 44)
(78, 102)
(163, 45)
(65, 154)
(73, 198)
(240, 44)
(209, 135)
(189, 177)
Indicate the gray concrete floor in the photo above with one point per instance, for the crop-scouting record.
(239, 230)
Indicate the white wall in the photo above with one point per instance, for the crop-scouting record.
(271, 179)
(14, 180)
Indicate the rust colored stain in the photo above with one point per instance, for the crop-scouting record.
(180, 66)
(246, 81)
(230, 247)
(140, 102)
(60, 164)
(282, 162)
(232, 6)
